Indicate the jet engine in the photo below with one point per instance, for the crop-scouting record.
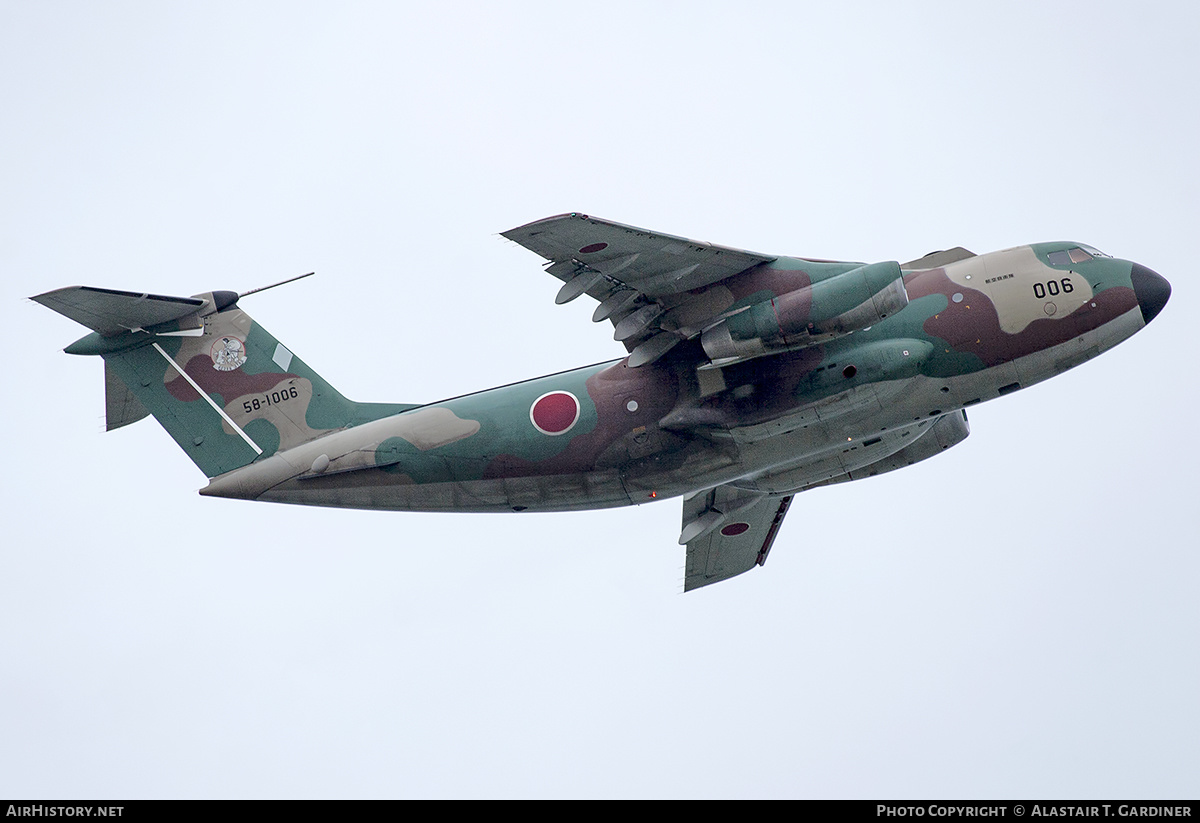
(814, 314)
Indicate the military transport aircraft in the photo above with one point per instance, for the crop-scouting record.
(749, 378)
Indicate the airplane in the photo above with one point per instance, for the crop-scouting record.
(749, 378)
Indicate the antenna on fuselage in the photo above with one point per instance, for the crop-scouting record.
(273, 285)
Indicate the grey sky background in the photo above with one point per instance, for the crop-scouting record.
(1016, 618)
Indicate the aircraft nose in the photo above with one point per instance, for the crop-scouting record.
(1152, 290)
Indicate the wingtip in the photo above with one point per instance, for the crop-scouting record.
(571, 215)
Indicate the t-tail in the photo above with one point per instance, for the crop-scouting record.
(219, 383)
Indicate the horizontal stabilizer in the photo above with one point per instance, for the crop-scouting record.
(112, 312)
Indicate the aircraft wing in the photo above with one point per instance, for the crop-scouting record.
(728, 531)
(646, 281)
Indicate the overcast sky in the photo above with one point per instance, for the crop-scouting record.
(1016, 618)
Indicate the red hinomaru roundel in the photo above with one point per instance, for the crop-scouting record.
(554, 412)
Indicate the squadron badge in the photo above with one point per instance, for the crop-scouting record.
(228, 353)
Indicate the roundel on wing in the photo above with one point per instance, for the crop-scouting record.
(592, 248)
(554, 412)
(734, 529)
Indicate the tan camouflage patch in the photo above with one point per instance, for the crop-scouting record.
(1024, 289)
(430, 428)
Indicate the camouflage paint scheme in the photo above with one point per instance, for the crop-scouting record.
(750, 378)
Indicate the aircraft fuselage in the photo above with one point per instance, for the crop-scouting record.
(613, 435)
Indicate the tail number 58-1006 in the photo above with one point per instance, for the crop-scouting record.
(270, 399)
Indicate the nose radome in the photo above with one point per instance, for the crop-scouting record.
(1152, 290)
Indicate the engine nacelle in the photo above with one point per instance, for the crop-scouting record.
(815, 314)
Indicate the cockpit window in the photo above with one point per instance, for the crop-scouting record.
(1069, 256)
